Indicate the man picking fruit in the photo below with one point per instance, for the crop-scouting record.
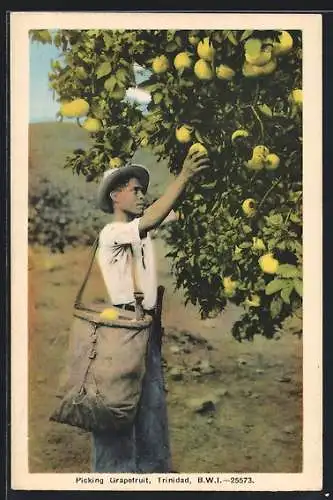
(144, 448)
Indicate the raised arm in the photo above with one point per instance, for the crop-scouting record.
(158, 211)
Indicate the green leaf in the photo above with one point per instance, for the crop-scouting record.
(127, 145)
(42, 36)
(253, 47)
(103, 69)
(275, 220)
(294, 217)
(274, 286)
(46, 36)
(170, 35)
(281, 245)
(157, 98)
(275, 306)
(232, 38)
(246, 34)
(122, 75)
(97, 111)
(285, 293)
(178, 40)
(171, 47)
(126, 64)
(295, 196)
(265, 110)
(247, 229)
(108, 40)
(298, 285)
(150, 87)
(246, 244)
(211, 185)
(198, 136)
(110, 83)
(57, 40)
(272, 244)
(118, 92)
(288, 271)
(91, 33)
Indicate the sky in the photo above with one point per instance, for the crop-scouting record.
(42, 105)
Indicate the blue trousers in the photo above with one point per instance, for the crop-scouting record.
(145, 447)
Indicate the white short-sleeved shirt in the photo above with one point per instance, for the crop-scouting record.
(114, 258)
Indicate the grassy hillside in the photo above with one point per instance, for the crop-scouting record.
(49, 143)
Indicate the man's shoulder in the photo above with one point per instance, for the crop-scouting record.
(106, 228)
(117, 225)
(122, 230)
(111, 228)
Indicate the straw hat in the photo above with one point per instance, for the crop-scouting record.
(111, 179)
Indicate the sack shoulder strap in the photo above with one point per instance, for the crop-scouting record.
(78, 299)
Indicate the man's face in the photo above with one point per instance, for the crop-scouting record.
(130, 198)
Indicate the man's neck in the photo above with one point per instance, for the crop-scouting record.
(120, 216)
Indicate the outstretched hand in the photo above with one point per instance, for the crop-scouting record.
(194, 163)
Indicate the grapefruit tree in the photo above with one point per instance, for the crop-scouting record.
(238, 94)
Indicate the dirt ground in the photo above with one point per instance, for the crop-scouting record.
(233, 407)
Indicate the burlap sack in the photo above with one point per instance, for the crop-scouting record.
(106, 367)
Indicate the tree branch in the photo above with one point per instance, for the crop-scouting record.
(260, 122)
(289, 213)
(269, 191)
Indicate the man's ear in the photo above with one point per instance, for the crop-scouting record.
(113, 196)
